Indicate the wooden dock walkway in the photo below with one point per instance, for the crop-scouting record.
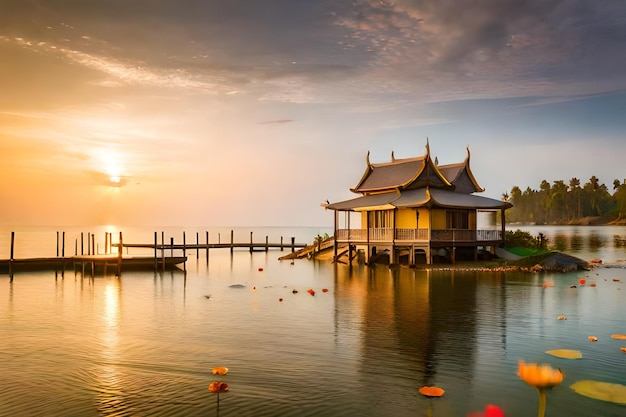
(114, 254)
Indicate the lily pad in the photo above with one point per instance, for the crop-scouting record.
(604, 391)
(565, 353)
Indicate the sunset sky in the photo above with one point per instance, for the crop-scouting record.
(249, 112)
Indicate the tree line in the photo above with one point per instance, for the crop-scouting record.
(562, 203)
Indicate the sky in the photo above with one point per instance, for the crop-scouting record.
(253, 113)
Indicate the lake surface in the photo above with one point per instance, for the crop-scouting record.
(144, 344)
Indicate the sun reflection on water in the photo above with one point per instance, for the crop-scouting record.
(109, 378)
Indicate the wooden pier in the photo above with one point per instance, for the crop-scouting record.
(114, 256)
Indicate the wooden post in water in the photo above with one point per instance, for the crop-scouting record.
(11, 257)
(250, 242)
(57, 243)
(163, 250)
(155, 251)
(267, 243)
(88, 243)
(207, 245)
(231, 241)
(281, 243)
(293, 244)
(171, 246)
(93, 244)
(119, 256)
(81, 244)
(197, 246)
(63, 256)
(106, 243)
(184, 252)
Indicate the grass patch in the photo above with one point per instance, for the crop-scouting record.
(521, 251)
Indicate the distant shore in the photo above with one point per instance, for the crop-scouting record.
(582, 221)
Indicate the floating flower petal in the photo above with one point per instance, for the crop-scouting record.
(219, 370)
(619, 336)
(431, 391)
(562, 318)
(592, 338)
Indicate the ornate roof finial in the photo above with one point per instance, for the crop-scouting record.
(427, 147)
(367, 158)
(436, 160)
(393, 158)
(468, 152)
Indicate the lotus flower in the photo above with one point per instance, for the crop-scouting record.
(218, 386)
(541, 377)
(490, 411)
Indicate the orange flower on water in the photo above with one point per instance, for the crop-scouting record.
(218, 386)
(592, 338)
(623, 349)
(219, 370)
(311, 291)
(490, 411)
(539, 376)
(431, 391)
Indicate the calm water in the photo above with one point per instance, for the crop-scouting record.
(144, 344)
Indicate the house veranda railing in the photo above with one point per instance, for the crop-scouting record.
(415, 235)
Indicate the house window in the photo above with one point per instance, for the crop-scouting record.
(380, 218)
(457, 220)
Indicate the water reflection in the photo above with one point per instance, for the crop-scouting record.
(109, 378)
(423, 325)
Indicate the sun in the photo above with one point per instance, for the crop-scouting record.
(115, 179)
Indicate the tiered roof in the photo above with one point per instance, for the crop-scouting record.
(417, 182)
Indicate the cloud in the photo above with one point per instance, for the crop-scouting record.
(271, 122)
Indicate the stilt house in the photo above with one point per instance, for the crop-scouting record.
(414, 211)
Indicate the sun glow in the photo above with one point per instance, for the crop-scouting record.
(111, 164)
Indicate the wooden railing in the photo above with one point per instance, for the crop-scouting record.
(418, 235)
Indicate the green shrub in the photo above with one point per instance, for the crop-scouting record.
(522, 239)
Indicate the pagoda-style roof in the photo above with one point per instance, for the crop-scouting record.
(421, 197)
(418, 172)
(460, 175)
(417, 182)
(401, 174)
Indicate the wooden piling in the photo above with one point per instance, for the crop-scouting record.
(267, 243)
(163, 249)
(184, 252)
(119, 257)
(11, 258)
(155, 252)
(251, 247)
(231, 241)
(207, 246)
(293, 244)
(197, 245)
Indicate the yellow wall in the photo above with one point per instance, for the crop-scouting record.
(405, 219)
(438, 219)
